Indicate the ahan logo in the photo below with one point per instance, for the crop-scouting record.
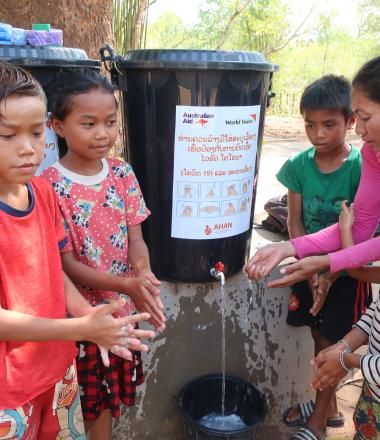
(208, 230)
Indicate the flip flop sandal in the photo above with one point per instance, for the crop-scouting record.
(305, 410)
(306, 433)
(335, 422)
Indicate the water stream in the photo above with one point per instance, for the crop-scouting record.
(222, 422)
(223, 351)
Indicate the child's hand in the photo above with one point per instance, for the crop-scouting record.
(320, 290)
(132, 343)
(327, 369)
(140, 290)
(153, 285)
(266, 258)
(346, 216)
(100, 327)
(118, 350)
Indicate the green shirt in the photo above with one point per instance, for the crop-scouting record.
(322, 193)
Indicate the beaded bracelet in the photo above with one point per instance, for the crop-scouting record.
(345, 343)
(341, 360)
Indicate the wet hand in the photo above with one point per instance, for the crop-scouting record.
(130, 342)
(102, 328)
(320, 289)
(299, 271)
(153, 285)
(266, 258)
(140, 291)
(327, 369)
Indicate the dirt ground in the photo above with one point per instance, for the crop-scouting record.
(284, 127)
(292, 127)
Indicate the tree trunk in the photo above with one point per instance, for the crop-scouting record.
(86, 24)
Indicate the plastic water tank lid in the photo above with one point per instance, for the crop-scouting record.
(196, 59)
(45, 56)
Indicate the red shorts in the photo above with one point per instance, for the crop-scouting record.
(56, 413)
(106, 387)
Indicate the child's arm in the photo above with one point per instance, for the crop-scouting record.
(98, 326)
(78, 306)
(319, 284)
(346, 221)
(327, 367)
(295, 223)
(142, 298)
(138, 255)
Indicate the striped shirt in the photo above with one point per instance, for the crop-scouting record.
(369, 323)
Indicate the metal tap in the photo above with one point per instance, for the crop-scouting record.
(218, 272)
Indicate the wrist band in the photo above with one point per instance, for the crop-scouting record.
(345, 343)
(341, 360)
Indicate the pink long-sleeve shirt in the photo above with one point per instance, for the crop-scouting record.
(367, 216)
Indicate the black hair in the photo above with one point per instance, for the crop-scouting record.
(368, 79)
(331, 92)
(69, 83)
(15, 81)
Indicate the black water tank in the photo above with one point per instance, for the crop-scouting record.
(194, 125)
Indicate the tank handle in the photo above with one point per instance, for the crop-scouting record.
(109, 59)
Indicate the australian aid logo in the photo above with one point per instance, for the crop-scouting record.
(197, 118)
(218, 228)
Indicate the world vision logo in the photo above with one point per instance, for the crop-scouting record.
(218, 228)
(251, 119)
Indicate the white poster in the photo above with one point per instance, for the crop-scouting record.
(51, 153)
(214, 164)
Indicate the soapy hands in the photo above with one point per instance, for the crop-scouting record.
(145, 294)
(117, 335)
(327, 368)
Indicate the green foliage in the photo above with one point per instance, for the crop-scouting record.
(263, 27)
(304, 51)
(129, 20)
(369, 17)
(168, 31)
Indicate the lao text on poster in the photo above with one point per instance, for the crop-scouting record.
(51, 152)
(214, 165)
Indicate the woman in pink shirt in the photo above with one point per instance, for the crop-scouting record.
(326, 245)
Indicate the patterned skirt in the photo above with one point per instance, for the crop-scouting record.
(103, 387)
(367, 416)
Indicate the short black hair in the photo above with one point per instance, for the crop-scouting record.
(72, 82)
(368, 79)
(15, 81)
(331, 92)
